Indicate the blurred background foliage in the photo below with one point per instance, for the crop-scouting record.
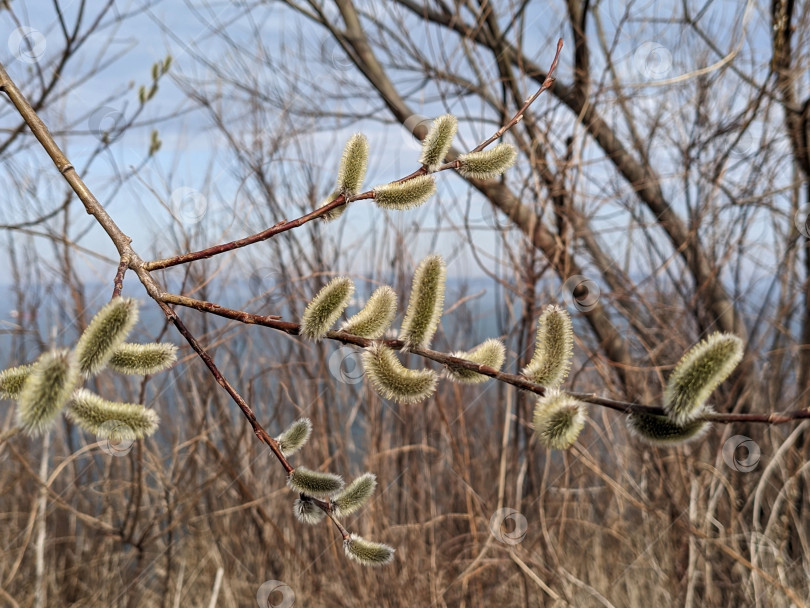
(660, 194)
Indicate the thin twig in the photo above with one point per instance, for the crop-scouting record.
(284, 225)
(521, 382)
(258, 430)
(278, 228)
(118, 282)
(128, 256)
(548, 82)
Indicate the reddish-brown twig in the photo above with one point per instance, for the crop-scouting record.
(548, 82)
(284, 225)
(128, 256)
(521, 382)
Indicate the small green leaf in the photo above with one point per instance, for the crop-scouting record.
(154, 142)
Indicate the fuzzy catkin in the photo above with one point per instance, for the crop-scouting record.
(355, 495)
(376, 316)
(698, 373)
(324, 309)
(351, 172)
(295, 436)
(399, 196)
(314, 483)
(335, 212)
(437, 142)
(558, 419)
(660, 430)
(13, 379)
(307, 511)
(553, 350)
(105, 333)
(142, 359)
(487, 164)
(94, 414)
(394, 381)
(46, 390)
(353, 165)
(425, 304)
(491, 353)
(366, 552)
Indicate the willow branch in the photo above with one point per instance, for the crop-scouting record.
(548, 82)
(521, 382)
(128, 256)
(284, 225)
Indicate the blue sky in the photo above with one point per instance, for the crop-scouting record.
(193, 173)
(193, 153)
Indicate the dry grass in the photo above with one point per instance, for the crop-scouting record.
(609, 523)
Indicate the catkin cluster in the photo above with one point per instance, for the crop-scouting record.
(321, 493)
(50, 385)
(413, 191)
